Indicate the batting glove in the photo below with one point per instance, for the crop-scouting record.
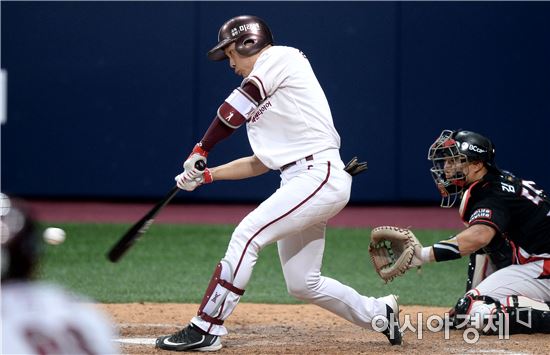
(189, 166)
(191, 184)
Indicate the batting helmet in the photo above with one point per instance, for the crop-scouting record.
(250, 34)
(20, 245)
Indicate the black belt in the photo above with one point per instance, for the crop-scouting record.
(286, 166)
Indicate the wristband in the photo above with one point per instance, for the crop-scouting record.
(197, 149)
(446, 250)
(425, 254)
(207, 176)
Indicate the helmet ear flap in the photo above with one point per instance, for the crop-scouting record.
(250, 44)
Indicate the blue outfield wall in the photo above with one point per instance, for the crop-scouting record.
(105, 99)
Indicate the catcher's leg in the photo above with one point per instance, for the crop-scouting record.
(517, 314)
(527, 316)
(517, 280)
(509, 281)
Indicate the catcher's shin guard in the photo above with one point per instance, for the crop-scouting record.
(527, 316)
(211, 308)
(474, 310)
(521, 314)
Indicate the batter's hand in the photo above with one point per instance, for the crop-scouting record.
(187, 184)
(189, 166)
(184, 184)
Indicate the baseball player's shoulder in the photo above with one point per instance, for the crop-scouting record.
(279, 52)
(499, 185)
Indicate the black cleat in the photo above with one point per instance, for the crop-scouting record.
(190, 338)
(392, 331)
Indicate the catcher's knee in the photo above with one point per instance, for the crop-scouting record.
(218, 289)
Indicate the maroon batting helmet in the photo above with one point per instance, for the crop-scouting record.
(250, 34)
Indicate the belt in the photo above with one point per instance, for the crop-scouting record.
(286, 166)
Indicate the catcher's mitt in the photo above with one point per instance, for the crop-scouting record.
(354, 167)
(392, 250)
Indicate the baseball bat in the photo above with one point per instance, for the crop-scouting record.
(139, 228)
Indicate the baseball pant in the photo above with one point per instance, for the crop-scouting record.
(517, 279)
(295, 217)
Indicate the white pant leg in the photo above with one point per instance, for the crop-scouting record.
(517, 280)
(309, 194)
(301, 258)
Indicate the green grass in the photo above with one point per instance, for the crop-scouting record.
(173, 263)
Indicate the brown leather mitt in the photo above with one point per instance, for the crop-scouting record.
(392, 250)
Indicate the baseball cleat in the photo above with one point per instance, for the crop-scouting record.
(190, 338)
(392, 331)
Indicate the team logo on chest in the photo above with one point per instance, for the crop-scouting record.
(260, 111)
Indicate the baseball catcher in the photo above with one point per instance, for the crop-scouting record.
(508, 225)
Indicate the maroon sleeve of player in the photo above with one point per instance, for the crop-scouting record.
(219, 130)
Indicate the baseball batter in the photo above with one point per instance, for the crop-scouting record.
(500, 211)
(290, 129)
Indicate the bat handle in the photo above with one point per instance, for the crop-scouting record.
(200, 165)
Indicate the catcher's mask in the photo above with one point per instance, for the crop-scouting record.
(250, 34)
(450, 154)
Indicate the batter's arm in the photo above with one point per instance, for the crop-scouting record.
(239, 169)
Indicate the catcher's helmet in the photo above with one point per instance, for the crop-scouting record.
(457, 148)
(250, 34)
(475, 146)
(20, 245)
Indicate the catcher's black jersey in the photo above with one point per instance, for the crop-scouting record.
(517, 209)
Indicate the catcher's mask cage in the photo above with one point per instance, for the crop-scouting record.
(250, 34)
(450, 155)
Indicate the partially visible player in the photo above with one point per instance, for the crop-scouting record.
(290, 130)
(499, 209)
(38, 317)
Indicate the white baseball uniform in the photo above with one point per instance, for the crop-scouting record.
(293, 124)
(39, 318)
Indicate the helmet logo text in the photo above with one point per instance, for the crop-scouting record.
(235, 31)
(472, 147)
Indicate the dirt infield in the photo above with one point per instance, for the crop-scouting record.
(285, 329)
(307, 329)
